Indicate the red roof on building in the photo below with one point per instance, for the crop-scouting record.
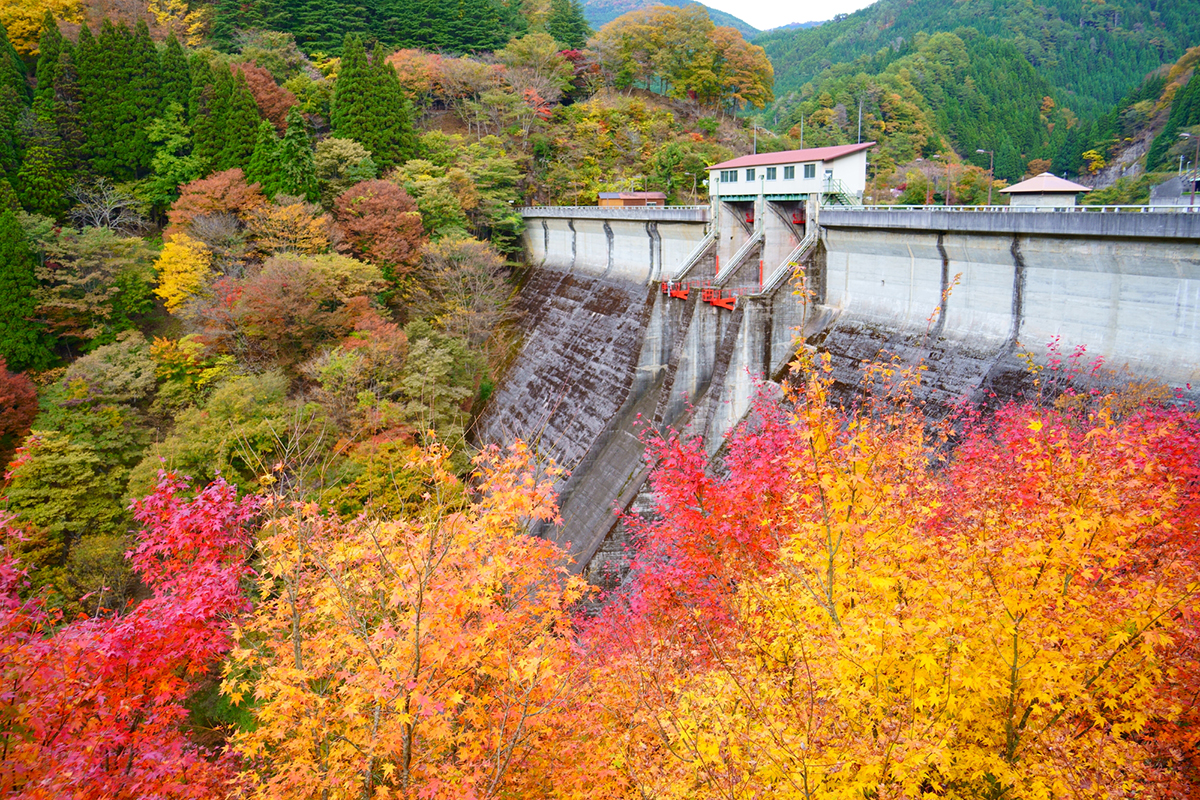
(1046, 184)
(793, 156)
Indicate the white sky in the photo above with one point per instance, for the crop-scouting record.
(766, 14)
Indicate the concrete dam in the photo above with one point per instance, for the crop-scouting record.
(677, 316)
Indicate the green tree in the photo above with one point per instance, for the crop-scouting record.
(50, 47)
(370, 107)
(119, 92)
(297, 169)
(14, 99)
(239, 126)
(64, 489)
(176, 75)
(21, 339)
(245, 427)
(174, 163)
(567, 24)
(11, 110)
(264, 162)
(43, 178)
(208, 104)
(340, 164)
(93, 284)
(1185, 112)
(12, 68)
(8, 196)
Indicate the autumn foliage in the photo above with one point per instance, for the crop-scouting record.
(18, 407)
(95, 707)
(220, 193)
(424, 656)
(855, 602)
(853, 612)
(273, 100)
(382, 225)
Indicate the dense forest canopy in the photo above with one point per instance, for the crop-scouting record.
(1093, 51)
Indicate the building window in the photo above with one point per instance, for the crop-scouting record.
(810, 170)
(729, 176)
(770, 173)
(789, 173)
(750, 174)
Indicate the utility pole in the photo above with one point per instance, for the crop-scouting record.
(991, 167)
(860, 120)
(801, 129)
(1195, 164)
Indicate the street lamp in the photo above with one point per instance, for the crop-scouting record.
(991, 168)
(1195, 163)
(938, 156)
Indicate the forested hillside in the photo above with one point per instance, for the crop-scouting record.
(951, 91)
(601, 12)
(215, 260)
(1054, 85)
(1094, 52)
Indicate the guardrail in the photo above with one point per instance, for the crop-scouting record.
(738, 257)
(789, 264)
(1125, 209)
(702, 247)
(658, 213)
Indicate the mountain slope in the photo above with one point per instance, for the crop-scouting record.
(1092, 51)
(601, 12)
(961, 91)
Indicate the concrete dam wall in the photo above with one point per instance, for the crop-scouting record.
(1124, 286)
(609, 350)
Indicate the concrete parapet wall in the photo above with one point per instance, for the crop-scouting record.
(1135, 302)
(1074, 222)
(615, 247)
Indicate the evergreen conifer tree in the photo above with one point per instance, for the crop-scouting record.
(212, 91)
(66, 108)
(240, 125)
(474, 25)
(264, 164)
(22, 342)
(8, 197)
(10, 146)
(119, 93)
(350, 93)
(43, 182)
(567, 24)
(12, 69)
(175, 74)
(50, 47)
(101, 72)
(370, 107)
(232, 16)
(57, 91)
(297, 170)
(14, 98)
(206, 141)
(44, 177)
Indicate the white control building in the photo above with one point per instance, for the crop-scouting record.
(838, 174)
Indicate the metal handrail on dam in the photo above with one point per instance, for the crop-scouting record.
(1117, 209)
